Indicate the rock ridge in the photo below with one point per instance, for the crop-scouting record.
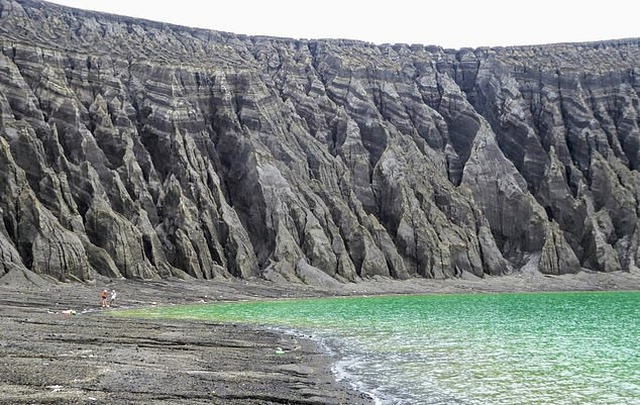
(138, 149)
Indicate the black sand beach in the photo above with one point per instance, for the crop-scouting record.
(57, 346)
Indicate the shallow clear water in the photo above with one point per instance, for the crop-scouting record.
(543, 348)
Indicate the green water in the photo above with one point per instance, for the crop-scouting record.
(547, 348)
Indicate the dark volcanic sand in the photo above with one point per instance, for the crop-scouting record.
(50, 356)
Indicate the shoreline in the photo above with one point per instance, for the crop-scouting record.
(58, 345)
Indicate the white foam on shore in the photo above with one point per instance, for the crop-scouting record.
(345, 363)
(340, 367)
(340, 370)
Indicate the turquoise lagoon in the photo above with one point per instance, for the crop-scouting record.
(485, 349)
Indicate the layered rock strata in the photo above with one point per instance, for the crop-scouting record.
(137, 149)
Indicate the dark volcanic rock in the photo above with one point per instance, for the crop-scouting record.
(137, 149)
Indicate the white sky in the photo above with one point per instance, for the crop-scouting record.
(447, 23)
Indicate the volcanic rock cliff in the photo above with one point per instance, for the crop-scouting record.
(138, 149)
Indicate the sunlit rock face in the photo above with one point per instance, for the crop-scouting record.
(136, 149)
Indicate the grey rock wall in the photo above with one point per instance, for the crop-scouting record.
(137, 149)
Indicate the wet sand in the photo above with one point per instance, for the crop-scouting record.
(58, 346)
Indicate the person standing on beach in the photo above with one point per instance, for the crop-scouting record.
(104, 298)
(113, 298)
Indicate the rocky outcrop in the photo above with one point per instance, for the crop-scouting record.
(137, 149)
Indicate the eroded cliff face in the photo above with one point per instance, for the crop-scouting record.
(137, 149)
